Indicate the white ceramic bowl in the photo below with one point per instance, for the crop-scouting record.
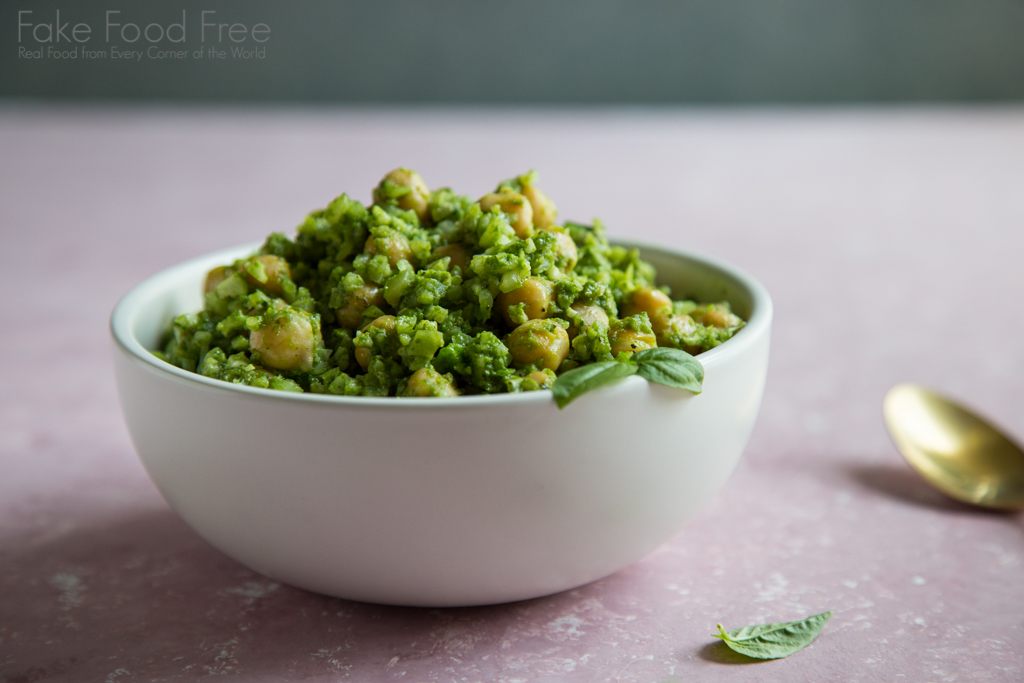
(439, 502)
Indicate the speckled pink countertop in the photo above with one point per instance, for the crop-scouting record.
(892, 243)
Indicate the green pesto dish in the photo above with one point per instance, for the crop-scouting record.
(434, 294)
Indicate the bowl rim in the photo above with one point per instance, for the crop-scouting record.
(127, 308)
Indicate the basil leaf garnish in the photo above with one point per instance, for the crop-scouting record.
(670, 367)
(586, 378)
(774, 641)
(667, 366)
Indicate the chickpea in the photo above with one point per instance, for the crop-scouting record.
(276, 268)
(589, 315)
(543, 342)
(719, 317)
(543, 379)
(215, 277)
(394, 245)
(287, 343)
(625, 340)
(544, 211)
(418, 197)
(364, 353)
(516, 206)
(459, 254)
(676, 327)
(651, 301)
(566, 250)
(536, 294)
(429, 382)
(350, 316)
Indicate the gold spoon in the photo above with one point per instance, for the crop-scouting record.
(955, 450)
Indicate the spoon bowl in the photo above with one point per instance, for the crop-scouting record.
(954, 450)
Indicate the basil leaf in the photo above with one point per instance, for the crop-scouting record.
(579, 381)
(670, 367)
(774, 641)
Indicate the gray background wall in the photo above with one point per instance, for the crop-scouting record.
(543, 51)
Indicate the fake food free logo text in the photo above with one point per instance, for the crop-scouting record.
(199, 35)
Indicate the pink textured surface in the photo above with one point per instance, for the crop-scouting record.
(891, 242)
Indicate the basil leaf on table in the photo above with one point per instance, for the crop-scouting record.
(578, 381)
(774, 641)
(670, 367)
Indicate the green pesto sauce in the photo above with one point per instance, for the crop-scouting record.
(418, 294)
